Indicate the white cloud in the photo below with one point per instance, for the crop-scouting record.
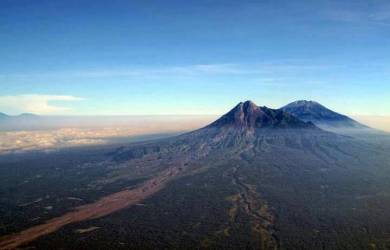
(217, 69)
(379, 16)
(34, 103)
(196, 69)
(87, 131)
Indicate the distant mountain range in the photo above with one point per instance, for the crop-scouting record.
(19, 122)
(23, 115)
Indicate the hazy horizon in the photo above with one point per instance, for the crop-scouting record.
(55, 132)
(374, 121)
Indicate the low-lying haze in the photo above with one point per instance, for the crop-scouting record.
(378, 122)
(48, 133)
(52, 133)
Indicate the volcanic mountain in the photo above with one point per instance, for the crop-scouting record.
(321, 116)
(249, 116)
(257, 178)
(246, 125)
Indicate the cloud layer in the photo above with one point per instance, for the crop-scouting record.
(52, 139)
(34, 103)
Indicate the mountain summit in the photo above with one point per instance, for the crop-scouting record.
(321, 116)
(249, 115)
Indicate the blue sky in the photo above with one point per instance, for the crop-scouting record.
(192, 57)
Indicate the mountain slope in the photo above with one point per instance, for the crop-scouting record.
(289, 184)
(256, 178)
(320, 115)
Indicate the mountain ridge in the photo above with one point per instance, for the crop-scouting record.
(248, 115)
(320, 115)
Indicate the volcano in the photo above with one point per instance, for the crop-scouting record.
(320, 115)
(256, 178)
(249, 116)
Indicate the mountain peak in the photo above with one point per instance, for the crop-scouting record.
(249, 115)
(248, 104)
(28, 115)
(318, 114)
(305, 103)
